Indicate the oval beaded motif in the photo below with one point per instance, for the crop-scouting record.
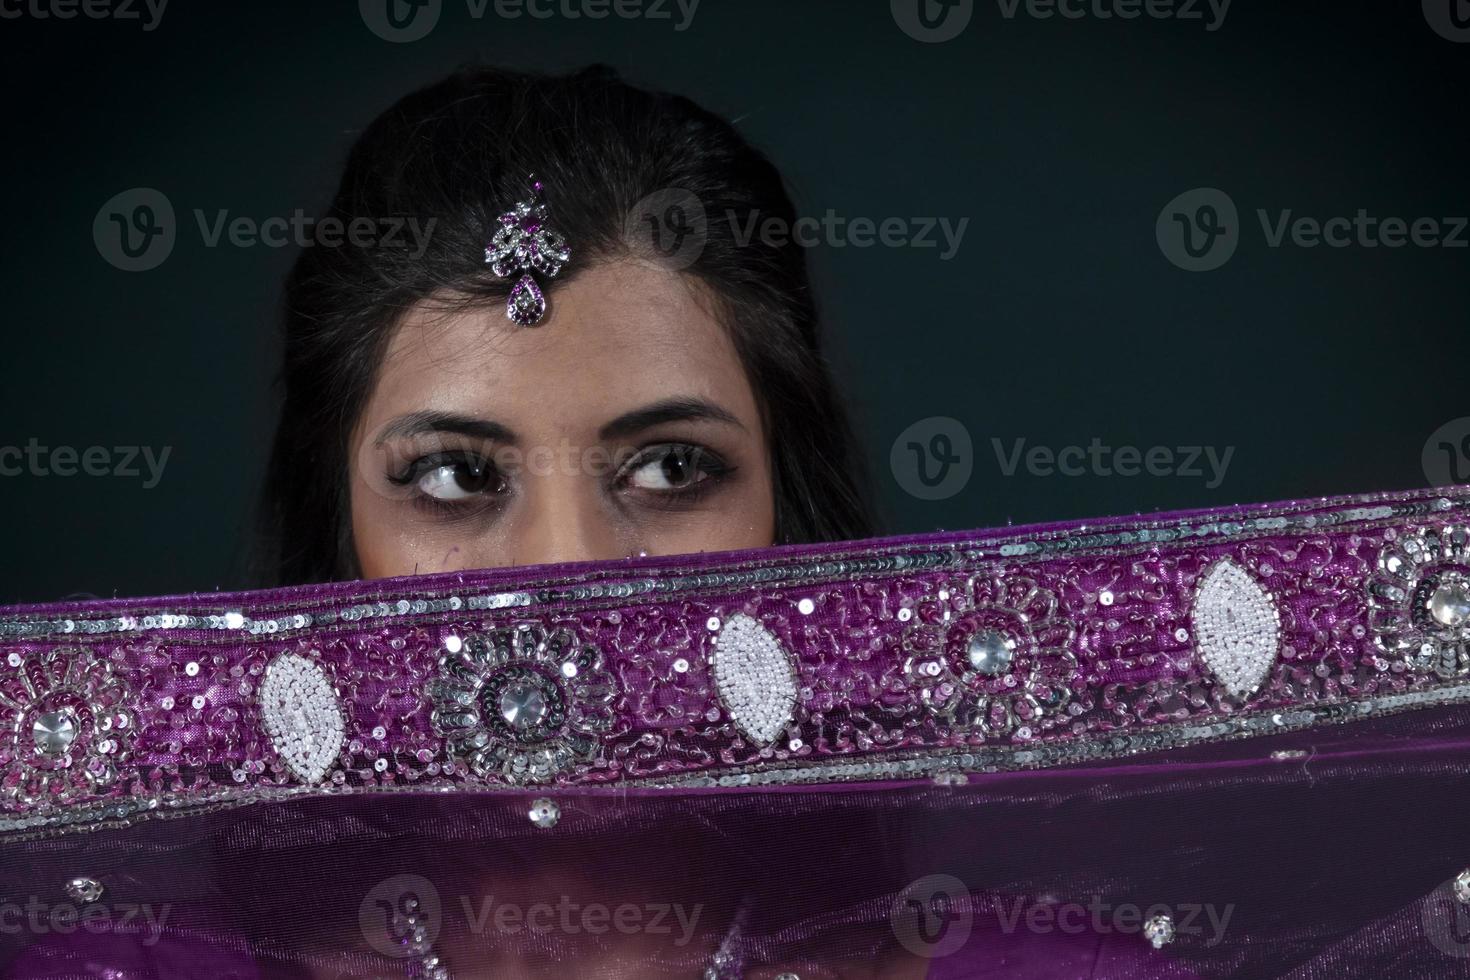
(1236, 627)
(755, 677)
(302, 716)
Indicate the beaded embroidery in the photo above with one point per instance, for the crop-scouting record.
(922, 658)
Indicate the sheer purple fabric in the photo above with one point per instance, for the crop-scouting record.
(1203, 745)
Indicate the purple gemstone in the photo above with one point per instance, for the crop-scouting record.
(526, 304)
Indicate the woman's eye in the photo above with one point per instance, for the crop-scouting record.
(669, 468)
(457, 480)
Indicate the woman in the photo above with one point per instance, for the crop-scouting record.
(671, 398)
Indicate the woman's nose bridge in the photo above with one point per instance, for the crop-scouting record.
(564, 521)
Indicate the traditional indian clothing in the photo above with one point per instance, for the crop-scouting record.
(1224, 743)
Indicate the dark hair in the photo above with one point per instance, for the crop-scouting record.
(459, 152)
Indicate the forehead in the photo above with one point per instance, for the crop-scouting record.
(617, 336)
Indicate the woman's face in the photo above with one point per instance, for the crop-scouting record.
(622, 423)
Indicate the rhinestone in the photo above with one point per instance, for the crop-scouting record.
(989, 652)
(1461, 887)
(83, 890)
(1450, 604)
(1159, 931)
(545, 813)
(54, 731)
(523, 705)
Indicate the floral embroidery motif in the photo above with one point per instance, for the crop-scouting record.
(521, 703)
(69, 723)
(1419, 601)
(992, 655)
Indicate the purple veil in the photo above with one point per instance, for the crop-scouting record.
(1207, 744)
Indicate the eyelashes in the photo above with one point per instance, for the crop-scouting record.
(664, 476)
(451, 481)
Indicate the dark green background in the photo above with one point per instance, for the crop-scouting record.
(1058, 321)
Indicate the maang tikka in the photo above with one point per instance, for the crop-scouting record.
(524, 243)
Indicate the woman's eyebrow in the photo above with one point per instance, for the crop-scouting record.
(422, 423)
(669, 410)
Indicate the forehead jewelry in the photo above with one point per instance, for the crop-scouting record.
(522, 244)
